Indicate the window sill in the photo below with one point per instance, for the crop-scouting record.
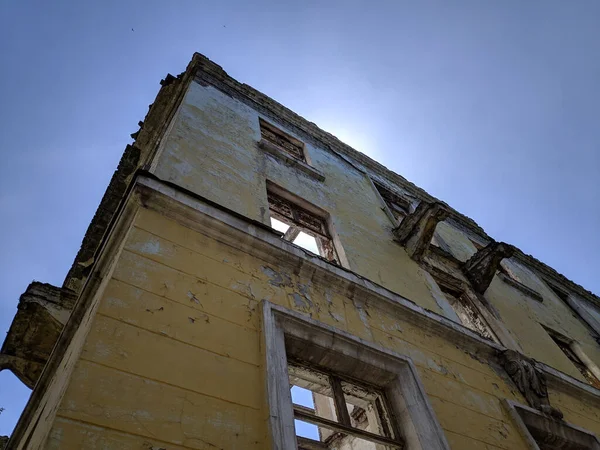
(524, 289)
(289, 160)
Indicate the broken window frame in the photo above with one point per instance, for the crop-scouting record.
(506, 275)
(342, 427)
(289, 335)
(463, 305)
(566, 346)
(301, 220)
(282, 141)
(398, 206)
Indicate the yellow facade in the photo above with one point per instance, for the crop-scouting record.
(174, 352)
(165, 347)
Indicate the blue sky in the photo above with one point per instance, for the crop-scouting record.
(492, 106)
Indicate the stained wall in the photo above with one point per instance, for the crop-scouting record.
(173, 358)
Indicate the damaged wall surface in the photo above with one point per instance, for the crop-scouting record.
(157, 339)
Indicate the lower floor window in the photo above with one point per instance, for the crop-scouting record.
(328, 389)
(335, 413)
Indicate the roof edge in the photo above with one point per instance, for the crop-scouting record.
(212, 73)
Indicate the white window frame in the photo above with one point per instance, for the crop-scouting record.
(525, 417)
(288, 332)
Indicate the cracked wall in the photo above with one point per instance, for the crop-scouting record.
(148, 375)
(212, 151)
(173, 359)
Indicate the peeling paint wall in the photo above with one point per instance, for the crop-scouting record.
(525, 317)
(212, 151)
(173, 358)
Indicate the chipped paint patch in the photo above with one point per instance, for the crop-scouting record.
(276, 278)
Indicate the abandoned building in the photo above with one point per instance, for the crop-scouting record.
(251, 282)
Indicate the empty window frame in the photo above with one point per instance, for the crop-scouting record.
(398, 206)
(509, 277)
(543, 432)
(281, 140)
(569, 348)
(301, 227)
(467, 312)
(366, 374)
(332, 412)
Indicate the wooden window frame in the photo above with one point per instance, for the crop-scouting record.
(299, 220)
(268, 131)
(394, 204)
(391, 435)
(465, 297)
(288, 334)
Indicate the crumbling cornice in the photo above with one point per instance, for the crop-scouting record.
(483, 265)
(213, 74)
(416, 230)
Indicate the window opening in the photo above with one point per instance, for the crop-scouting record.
(282, 140)
(560, 293)
(400, 207)
(566, 346)
(467, 312)
(513, 280)
(477, 245)
(332, 412)
(301, 227)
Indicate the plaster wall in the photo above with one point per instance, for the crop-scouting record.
(173, 358)
(526, 317)
(212, 151)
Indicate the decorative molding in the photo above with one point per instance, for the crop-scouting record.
(530, 381)
(416, 229)
(483, 265)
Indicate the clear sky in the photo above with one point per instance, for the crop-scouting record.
(492, 106)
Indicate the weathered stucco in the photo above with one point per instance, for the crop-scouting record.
(164, 347)
(173, 351)
(212, 151)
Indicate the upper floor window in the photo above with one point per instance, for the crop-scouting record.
(300, 226)
(572, 351)
(281, 140)
(398, 206)
(510, 277)
(334, 413)
(467, 312)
